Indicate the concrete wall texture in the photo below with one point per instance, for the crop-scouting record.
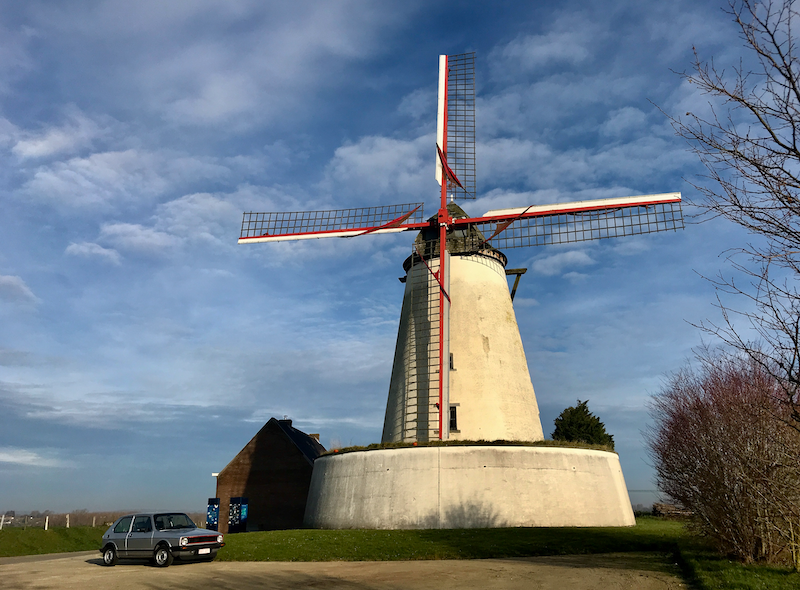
(468, 487)
(489, 382)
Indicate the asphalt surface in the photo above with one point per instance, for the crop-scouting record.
(584, 572)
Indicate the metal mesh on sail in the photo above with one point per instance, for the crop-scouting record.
(461, 123)
(563, 228)
(301, 222)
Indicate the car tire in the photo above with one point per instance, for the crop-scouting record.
(109, 556)
(162, 556)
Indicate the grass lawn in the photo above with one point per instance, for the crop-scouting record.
(701, 567)
(706, 570)
(16, 541)
(367, 545)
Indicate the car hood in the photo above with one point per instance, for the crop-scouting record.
(188, 532)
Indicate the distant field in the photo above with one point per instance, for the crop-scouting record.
(665, 538)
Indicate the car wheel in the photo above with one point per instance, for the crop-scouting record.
(162, 556)
(109, 556)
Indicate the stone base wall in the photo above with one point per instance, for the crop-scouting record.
(468, 487)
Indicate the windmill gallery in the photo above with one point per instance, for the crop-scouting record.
(460, 372)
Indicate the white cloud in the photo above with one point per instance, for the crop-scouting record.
(575, 277)
(200, 217)
(91, 250)
(377, 166)
(556, 263)
(108, 177)
(623, 120)
(98, 179)
(555, 47)
(27, 457)
(8, 132)
(419, 103)
(137, 238)
(13, 288)
(78, 132)
(525, 302)
(226, 64)
(14, 56)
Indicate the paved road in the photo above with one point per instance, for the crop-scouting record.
(593, 572)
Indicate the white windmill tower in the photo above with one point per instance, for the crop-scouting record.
(459, 360)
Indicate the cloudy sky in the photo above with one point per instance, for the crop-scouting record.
(141, 347)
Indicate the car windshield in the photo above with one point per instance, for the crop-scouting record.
(173, 520)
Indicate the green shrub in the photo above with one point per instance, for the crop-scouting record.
(578, 424)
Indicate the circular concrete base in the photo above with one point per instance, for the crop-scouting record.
(468, 487)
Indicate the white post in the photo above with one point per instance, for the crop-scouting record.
(67, 520)
(46, 522)
(94, 518)
(2, 521)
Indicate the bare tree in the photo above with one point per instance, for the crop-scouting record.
(749, 146)
(719, 452)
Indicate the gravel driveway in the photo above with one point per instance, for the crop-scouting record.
(576, 572)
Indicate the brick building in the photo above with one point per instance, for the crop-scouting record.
(273, 471)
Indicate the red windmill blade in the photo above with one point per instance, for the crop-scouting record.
(426, 305)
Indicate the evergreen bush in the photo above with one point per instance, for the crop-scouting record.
(578, 424)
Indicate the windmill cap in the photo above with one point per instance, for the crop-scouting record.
(466, 240)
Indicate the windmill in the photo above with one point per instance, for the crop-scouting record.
(419, 405)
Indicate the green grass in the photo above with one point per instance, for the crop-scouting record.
(16, 541)
(707, 570)
(650, 534)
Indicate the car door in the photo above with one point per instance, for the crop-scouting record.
(118, 535)
(139, 542)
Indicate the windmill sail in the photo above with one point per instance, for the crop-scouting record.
(332, 223)
(455, 129)
(580, 221)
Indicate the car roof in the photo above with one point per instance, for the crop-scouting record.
(152, 513)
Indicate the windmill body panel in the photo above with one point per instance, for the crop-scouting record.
(490, 384)
(490, 392)
(411, 414)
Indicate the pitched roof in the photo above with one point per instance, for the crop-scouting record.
(306, 444)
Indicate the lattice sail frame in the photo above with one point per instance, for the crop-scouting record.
(581, 226)
(461, 123)
(344, 223)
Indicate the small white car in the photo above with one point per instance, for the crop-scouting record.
(160, 537)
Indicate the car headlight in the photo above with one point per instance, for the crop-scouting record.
(219, 538)
(184, 541)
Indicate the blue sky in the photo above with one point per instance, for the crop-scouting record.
(141, 347)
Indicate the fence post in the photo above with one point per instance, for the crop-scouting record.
(46, 522)
(2, 521)
(94, 518)
(67, 520)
